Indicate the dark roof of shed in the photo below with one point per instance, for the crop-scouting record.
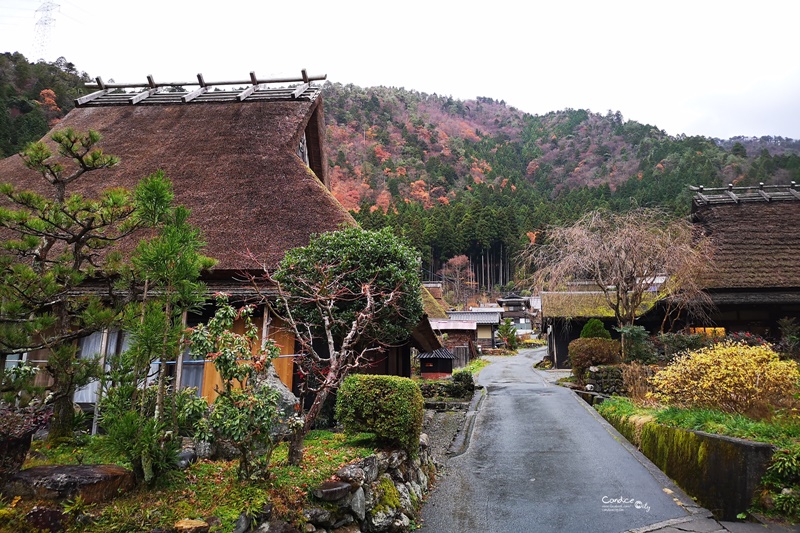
(757, 242)
(233, 164)
(441, 353)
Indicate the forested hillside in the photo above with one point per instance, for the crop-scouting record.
(33, 97)
(473, 178)
(482, 179)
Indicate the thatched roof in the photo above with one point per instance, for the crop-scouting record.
(586, 304)
(757, 242)
(234, 164)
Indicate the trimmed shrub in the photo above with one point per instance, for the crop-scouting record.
(461, 385)
(730, 377)
(594, 329)
(587, 352)
(391, 407)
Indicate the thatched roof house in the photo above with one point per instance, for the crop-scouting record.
(248, 162)
(756, 233)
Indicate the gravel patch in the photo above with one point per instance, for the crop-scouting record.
(441, 428)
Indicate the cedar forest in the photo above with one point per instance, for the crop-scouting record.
(469, 182)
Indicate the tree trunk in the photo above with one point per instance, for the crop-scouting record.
(63, 417)
(296, 446)
(296, 440)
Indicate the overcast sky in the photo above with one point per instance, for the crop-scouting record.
(699, 67)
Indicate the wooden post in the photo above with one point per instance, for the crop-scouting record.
(179, 362)
(99, 395)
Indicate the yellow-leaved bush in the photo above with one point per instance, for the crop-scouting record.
(731, 377)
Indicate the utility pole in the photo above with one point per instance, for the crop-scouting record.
(42, 28)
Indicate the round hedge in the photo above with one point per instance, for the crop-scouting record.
(391, 407)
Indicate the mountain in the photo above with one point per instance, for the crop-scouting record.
(481, 179)
(474, 178)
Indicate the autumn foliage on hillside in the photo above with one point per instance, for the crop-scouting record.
(389, 145)
(481, 179)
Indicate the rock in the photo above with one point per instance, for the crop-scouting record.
(213, 522)
(351, 528)
(188, 525)
(371, 468)
(242, 524)
(318, 516)
(287, 402)
(309, 528)
(396, 458)
(276, 526)
(415, 490)
(402, 523)
(46, 519)
(94, 483)
(331, 491)
(352, 473)
(358, 504)
(423, 441)
(344, 521)
(186, 458)
(265, 514)
(203, 449)
(381, 520)
(405, 497)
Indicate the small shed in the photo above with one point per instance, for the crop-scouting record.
(436, 364)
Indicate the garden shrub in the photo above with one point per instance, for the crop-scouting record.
(636, 381)
(461, 384)
(782, 483)
(594, 329)
(731, 377)
(636, 344)
(391, 407)
(587, 352)
(671, 344)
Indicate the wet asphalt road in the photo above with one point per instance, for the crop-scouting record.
(541, 460)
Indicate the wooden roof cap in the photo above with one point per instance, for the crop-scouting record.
(736, 195)
(174, 92)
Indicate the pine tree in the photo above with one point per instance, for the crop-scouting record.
(57, 272)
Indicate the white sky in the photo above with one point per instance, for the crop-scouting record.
(699, 67)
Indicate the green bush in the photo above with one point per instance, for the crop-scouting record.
(594, 329)
(461, 385)
(587, 352)
(636, 345)
(391, 407)
(671, 344)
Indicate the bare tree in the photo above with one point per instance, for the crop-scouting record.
(457, 274)
(634, 259)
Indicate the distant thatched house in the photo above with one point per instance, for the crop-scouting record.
(756, 233)
(565, 313)
(250, 165)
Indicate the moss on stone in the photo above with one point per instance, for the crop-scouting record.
(386, 496)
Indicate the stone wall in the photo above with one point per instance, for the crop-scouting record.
(605, 380)
(721, 473)
(382, 492)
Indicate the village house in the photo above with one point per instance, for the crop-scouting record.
(756, 277)
(250, 165)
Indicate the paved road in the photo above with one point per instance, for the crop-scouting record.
(541, 460)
